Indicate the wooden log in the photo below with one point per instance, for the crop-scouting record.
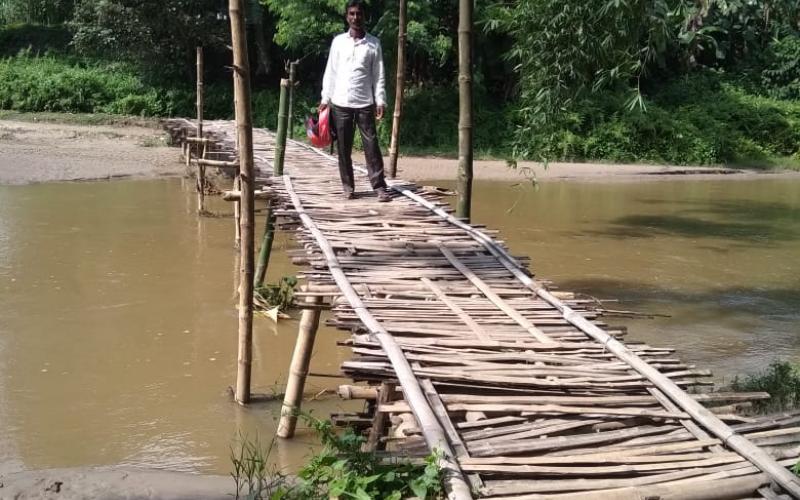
(231, 195)
(217, 163)
(357, 392)
(298, 370)
(385, 394)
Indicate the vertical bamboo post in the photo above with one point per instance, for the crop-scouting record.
(399, 89)
(280, 146)
(292, 83)
(464, 184)
(244, 132)
(200, 94)
(201, 170)
(277, 165)
(237, 214)
(298, 371)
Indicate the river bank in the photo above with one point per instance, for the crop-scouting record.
(114, 483)
(37, 151)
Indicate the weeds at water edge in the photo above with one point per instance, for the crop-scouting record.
(781, 380)
(254, 478)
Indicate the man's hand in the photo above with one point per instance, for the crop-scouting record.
(322, 107)
(379, 111)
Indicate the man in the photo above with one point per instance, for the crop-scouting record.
(354, 88)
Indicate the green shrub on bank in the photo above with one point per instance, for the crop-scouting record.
(694, 120)
(701, 119)
(781, 380)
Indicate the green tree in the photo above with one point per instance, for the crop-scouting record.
(47, 12)
(162, 34)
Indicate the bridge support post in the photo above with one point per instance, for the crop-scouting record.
(277, 167)
(292, 83)
(298, 371)
(201, 170)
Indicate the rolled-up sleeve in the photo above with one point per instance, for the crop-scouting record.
(378, 78)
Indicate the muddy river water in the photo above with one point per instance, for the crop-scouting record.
(118, 331)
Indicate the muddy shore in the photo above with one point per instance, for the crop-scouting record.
(113, 484)
(32, 152)
(47, 152)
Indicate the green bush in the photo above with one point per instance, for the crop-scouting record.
(701, 119)
(343, 470)
(705, 118)
(781, 380)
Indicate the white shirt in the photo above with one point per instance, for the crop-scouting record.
(354, 75)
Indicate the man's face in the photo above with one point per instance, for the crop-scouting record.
(355, 18)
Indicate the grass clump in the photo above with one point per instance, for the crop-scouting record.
(254, 478)
(343, 470)
(340, 470)
(781, 380)
(280, 295)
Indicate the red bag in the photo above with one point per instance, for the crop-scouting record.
(318, 130)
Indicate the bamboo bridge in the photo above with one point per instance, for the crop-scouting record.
(524, 392)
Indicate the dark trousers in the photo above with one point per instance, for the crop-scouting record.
(344, 126)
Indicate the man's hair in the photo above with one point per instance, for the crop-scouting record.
(356, 3)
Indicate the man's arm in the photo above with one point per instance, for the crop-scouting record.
(379, 84)
(329, 78)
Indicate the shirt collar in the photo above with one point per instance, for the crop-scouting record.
(357, 40)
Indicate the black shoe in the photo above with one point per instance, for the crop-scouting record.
(383, 195)
(349, 195)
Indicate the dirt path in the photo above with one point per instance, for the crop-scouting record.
(44, 152)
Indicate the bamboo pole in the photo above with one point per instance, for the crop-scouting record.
(201, 170)
(298, 371)
(464, 184)
(292, 83)
(280, 139)
(244, 126)
(280, 153)
(200, 94)
(399, 89)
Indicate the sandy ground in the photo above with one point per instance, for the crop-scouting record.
(427, 169)
(43, 152)
(114, 484)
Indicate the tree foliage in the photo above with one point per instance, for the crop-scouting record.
(162, 33)
(47, 12)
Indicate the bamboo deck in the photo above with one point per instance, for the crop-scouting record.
(528, 396)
